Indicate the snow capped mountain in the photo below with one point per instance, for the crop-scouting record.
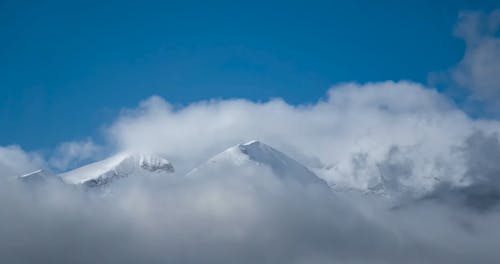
(37, 176)
(118, 166)
(241, 159)
(255, 153)
(250, 155)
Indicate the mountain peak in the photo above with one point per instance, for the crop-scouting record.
(256, 152)
(117, 166)
(152, 162)
(251, 143)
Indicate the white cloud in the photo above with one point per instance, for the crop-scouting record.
(14, 161)
(350, 138)
(479, 69)
(69, 154)
(239, 216)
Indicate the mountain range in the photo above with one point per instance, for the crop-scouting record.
(254, 154)
(254, 157)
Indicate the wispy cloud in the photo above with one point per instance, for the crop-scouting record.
(479, 69)
(70, 154)
(15, 161)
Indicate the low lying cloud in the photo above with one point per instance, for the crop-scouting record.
(480, 185)
(240, 216)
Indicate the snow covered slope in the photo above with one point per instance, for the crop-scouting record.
(255, 153)
(38, 176)
(118, 166)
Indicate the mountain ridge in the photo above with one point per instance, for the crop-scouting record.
(118, 166)
(125, 164)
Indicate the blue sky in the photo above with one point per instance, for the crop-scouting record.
(67, 68)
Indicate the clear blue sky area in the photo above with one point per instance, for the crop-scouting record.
(68, 67)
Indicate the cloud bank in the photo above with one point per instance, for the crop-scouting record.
(238, 216)
(400, 136)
